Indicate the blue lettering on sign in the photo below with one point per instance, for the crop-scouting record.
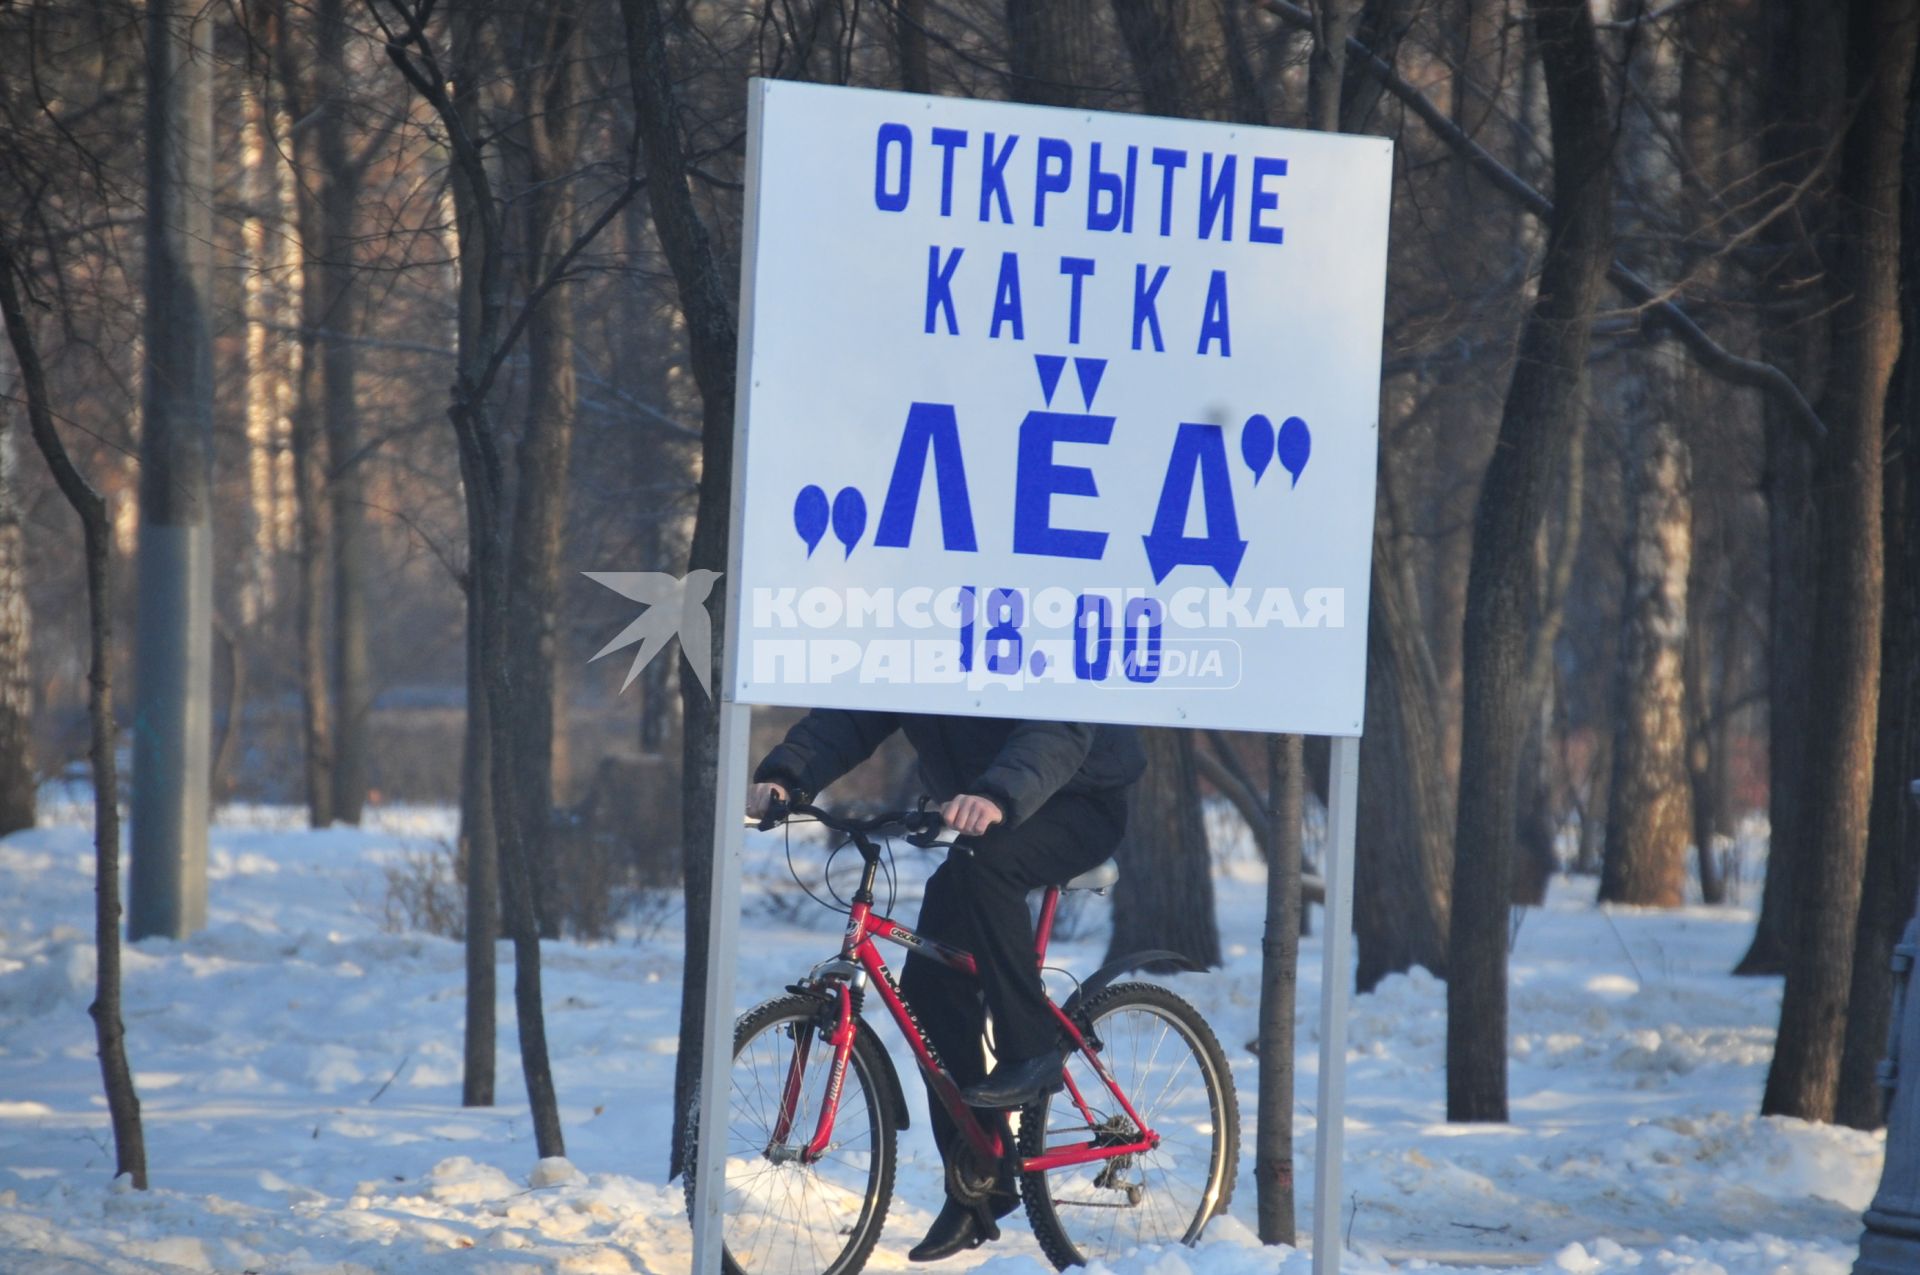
(948, 140)
(1168, 160)
(993, 177)
(1054, 176)
(940, 288)
(1213, 323)
(1038, 479)
(1077, 269)
(1113, 190)
(1006, 298)
(1144, 302)
(896, 137)
(1265, 200)
(1198, 450)
(1006, 609)
(1216, 198)
(1141, 660)
(931, 427)
(1093, 637)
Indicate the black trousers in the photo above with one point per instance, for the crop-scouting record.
(977, 901)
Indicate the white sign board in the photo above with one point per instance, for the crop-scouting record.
(1059, 414)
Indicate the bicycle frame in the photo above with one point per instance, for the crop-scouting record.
(860, 950)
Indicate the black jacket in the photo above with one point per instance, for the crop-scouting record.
(1019, 764)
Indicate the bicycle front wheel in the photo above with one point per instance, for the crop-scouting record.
(788, 1212)
(1165, 1059)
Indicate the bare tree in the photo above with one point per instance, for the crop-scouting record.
(1535, 431)
(123, 1101)
(1893, 838)
(712, 340)
(1805, 100)
(488, 332)
(1849, 592)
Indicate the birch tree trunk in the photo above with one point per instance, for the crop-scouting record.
(1652, 824)
(17, 780)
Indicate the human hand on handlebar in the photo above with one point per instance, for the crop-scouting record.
(762, 798)
(969, 815)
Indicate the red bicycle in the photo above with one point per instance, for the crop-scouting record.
(1139, 1147)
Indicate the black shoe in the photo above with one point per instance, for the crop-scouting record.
(956, 1230)
(1018, 1082)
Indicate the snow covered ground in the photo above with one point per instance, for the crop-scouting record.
(299, 1070)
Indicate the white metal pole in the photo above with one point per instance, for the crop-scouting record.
(1335, 970)
(723, 945)
(730, 781)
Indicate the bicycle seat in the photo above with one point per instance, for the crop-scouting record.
(1099, 878)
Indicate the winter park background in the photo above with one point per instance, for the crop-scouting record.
(345, 338)
(300, 1074)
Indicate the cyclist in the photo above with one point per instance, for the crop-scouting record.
(1037, 803)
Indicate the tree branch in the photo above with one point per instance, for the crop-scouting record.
(1711, 355)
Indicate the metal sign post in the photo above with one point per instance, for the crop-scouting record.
(1336, 960)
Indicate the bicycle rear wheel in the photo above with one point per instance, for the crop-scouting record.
(1165, 1059)
(783, 1215)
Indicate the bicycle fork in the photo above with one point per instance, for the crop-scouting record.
(841, 1041)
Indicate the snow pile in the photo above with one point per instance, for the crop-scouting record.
(300, 1075)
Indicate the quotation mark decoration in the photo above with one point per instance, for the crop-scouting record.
(849, 517)
(1259, 443)
(1256, 445)
(812, 514)
(1296, 444)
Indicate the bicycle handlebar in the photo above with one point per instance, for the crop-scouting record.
(920, 826)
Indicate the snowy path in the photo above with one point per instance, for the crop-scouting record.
(264, 1048)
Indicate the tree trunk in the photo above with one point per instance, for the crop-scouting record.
(174, 649)
(1712, 641)
(548, 90)
(1164, 897)
(123, 1102)
(339, 284)
(17, 780)
(1536, 427)
(1403, 862)
(1806, 100)
(1279, 987)
(479, 851)
(1176, 58)
(308, 446)
(1804, 1078)
(910, 45)
(712, 341)
(1538, 826)
(1047, 50)
(484, 339)
(1646, 848)
(1893, 833)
